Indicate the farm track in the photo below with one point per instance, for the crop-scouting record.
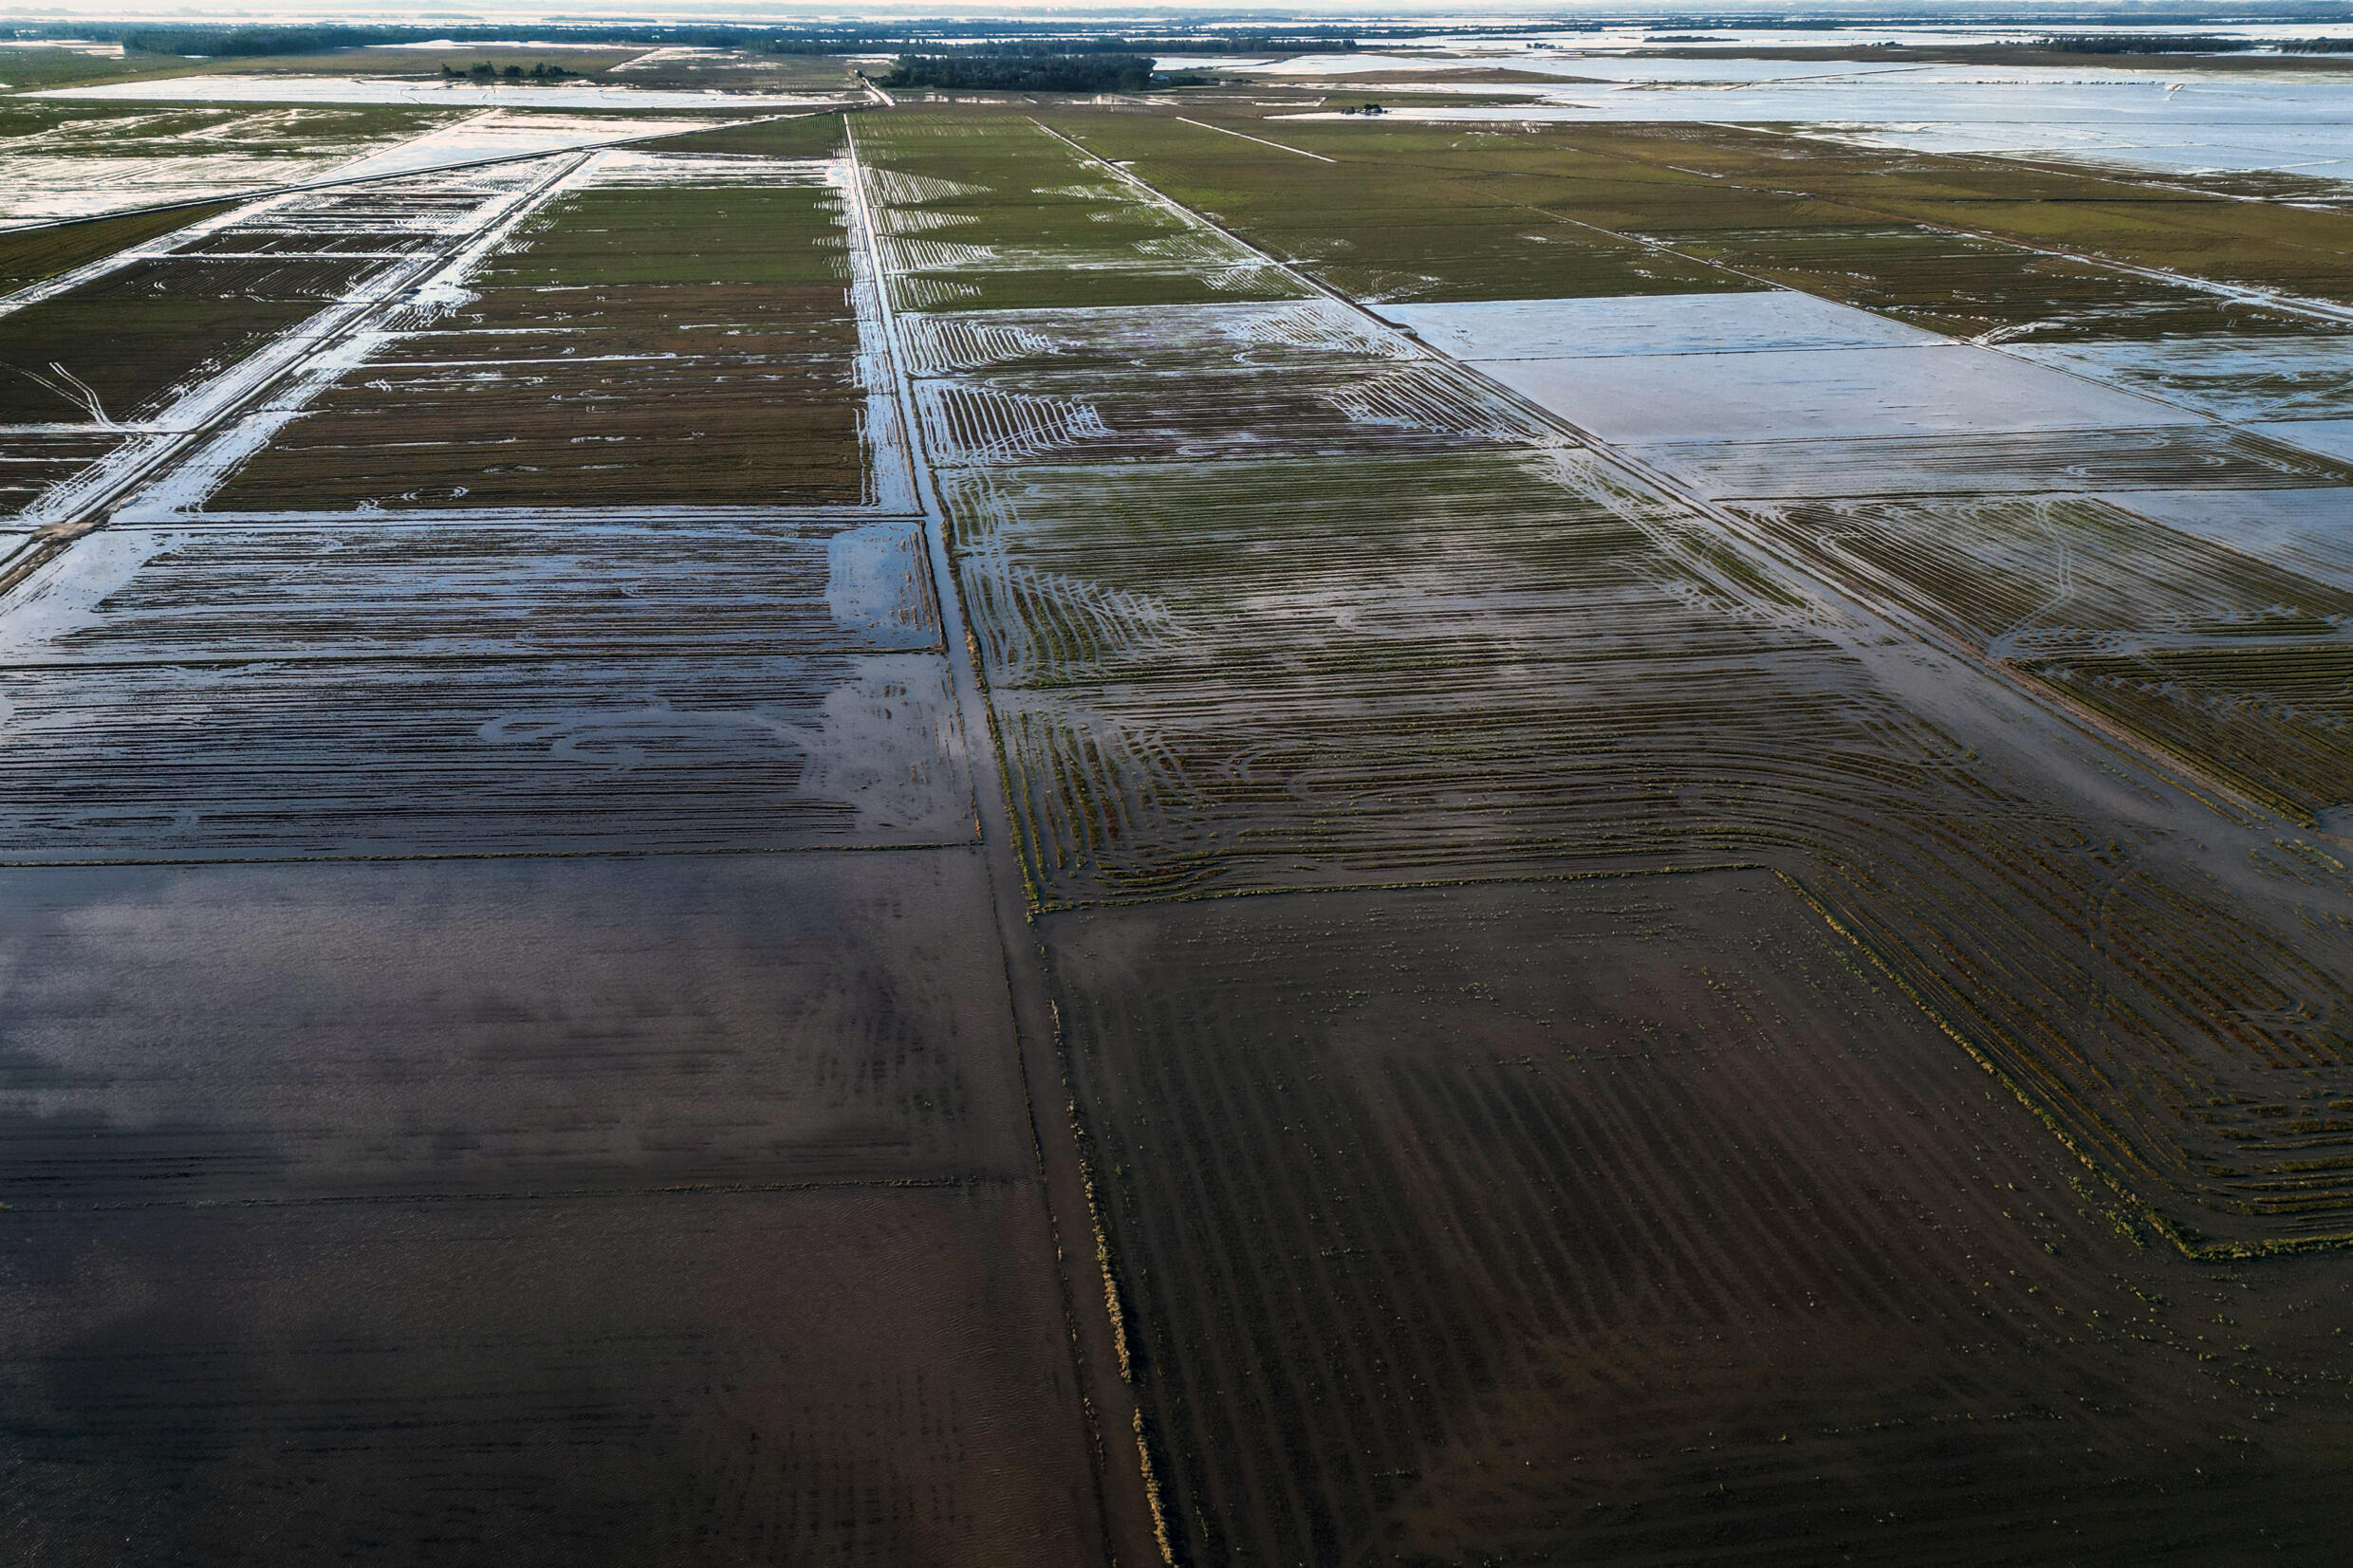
(1127, 1494)
(1766, 552)
(571, 930)
(83, 505)
(1294, 689)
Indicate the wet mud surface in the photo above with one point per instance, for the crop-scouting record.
(520, 1068)
(1630, 1220)
(1678, 902)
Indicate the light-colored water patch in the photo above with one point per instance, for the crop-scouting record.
(634, 171)
(1647, 323)
(1943, 389)
(2329, 438)
(498, 132)
(877, 579)
(2306, 531)
(2241, 378)
(2146, 119)
(63, 596)
(85, 167)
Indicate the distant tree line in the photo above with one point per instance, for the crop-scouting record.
(1033, 73)
(2128, 42)
(482, 71)
(1221, 43)
(245, 41)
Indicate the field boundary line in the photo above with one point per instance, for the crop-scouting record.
(563, 1194)
(1127, 1496)
(259, 197)
(80, 504)
(1261, 140)
(2157, 762)
(635, 851)
(2173, 770)
(529, 518)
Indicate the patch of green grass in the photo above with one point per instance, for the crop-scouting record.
(1389, 217)
(726, 235)
(1047, 226)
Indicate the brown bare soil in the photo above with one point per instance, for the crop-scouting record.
(676, 395)
(30, 255)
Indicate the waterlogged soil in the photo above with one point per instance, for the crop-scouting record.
(1602, 1026)
(574, 1116)
(616, 1380)
(680, 332)
(69, 160)
(1637, 1220)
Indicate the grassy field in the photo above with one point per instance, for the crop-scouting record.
(992, 212)
(675, 342)
(799, 136)
(1457, 213)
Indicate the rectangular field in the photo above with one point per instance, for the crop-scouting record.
(1609, 1220)
(672, 329)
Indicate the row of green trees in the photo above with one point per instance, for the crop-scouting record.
(483, 70)
(1036, 73)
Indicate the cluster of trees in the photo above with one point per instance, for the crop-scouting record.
(1237, 43)
(1035, 73)
(2130, 43)
(483, 70)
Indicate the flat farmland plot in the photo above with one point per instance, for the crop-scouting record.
(678, 330)
(123, 347)
(996, 211)
(499, 997)
(67, 159)
(1405, 647)
(128, 356)
(2237, 664)
(535, 689)
(1400, 224)
(1008, 828)
(1626, 1220)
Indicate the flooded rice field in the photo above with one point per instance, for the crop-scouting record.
(1010, 831)
(68, 160)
